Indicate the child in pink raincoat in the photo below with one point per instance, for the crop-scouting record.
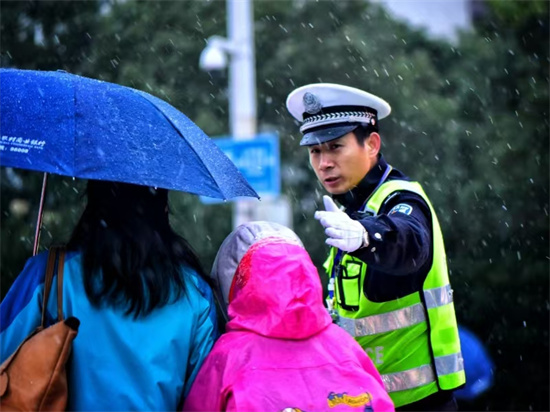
(281, 351)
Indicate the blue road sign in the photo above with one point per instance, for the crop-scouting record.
(257, 159)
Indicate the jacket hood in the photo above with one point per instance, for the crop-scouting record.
(277, 292)
(234, 247)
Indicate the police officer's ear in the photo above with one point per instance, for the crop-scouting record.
(373, 143)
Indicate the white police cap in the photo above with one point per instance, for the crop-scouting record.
(329, 111)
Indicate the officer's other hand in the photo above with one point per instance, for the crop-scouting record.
(342, 231)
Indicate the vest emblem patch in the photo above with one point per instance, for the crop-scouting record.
(401, 208)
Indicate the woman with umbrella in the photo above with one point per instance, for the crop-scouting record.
(147, 315)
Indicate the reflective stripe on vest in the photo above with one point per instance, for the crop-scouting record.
(400, 318)
(385, 322)
(438, 296)
(449, 363)
(413, 378)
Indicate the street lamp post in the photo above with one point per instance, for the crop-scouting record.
(242, 75)
(242, 87)
(242, 81)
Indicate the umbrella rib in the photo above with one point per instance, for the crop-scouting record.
(180, 133)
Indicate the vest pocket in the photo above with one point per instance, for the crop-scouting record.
(349, 285)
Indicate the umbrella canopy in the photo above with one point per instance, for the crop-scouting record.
(478, 366)
(56, 122)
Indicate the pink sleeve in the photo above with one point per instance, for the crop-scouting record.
(206, 392)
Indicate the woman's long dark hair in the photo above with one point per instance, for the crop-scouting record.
(131, 256)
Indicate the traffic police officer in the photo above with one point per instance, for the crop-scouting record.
(389, 285)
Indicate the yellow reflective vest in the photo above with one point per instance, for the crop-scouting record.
(413, 340)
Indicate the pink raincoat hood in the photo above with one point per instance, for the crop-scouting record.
(277, 293)
(281, 351)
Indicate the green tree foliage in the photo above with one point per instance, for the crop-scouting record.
(155, 46)
(47, 35)
(504, 257)
(469, 121)
(40, 35)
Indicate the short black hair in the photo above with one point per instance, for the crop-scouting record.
(362, 133)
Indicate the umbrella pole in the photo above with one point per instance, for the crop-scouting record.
(39, 218)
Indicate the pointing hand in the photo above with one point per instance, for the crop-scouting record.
(343, 232)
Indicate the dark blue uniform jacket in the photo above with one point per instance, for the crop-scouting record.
(400, 252)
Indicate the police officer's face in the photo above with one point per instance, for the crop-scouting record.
(340, 164)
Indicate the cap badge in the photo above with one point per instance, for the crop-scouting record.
(312, 104)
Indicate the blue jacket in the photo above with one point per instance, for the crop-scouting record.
(118, 362)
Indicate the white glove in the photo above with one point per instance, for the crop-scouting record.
(343, 232)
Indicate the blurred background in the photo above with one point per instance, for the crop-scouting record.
(468, 85)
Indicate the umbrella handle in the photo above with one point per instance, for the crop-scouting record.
(39, 218)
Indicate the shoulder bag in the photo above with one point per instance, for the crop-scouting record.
(33, 378)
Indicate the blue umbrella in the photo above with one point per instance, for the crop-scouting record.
(478, 366)
(70, 125)
(56, 122)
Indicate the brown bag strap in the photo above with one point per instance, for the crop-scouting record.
(56, 254)
(50, 270)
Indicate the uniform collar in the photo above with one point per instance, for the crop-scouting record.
(354, 199)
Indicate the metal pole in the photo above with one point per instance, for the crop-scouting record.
(242, 86)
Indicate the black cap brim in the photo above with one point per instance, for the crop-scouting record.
(326, 134)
